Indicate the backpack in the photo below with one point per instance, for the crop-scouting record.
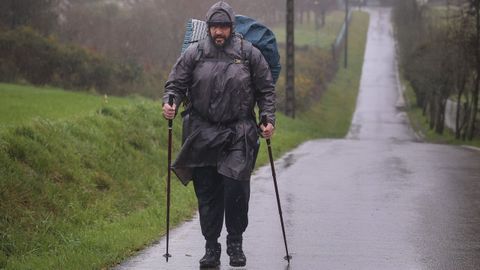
(256, 33)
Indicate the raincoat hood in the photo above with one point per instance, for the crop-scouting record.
(222, 7)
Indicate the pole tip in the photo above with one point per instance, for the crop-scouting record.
(166, 255)
(288, 258)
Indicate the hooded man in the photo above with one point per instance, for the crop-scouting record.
(224, 77)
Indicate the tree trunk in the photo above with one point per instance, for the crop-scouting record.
(473, 113)
(440, 122)
(473, 118)
(465, 120)
(457, 113)
(425, 103)
(13, 22)
(432, 109)
(460, 113)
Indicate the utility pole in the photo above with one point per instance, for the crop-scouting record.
(290, 73)
(346, 34)
(13, 21)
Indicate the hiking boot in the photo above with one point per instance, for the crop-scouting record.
(212, 256)
(234, 250)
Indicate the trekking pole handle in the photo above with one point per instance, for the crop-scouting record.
(265, 123)
(170, 102)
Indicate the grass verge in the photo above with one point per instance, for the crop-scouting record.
(21, 103)
(83, 193)
(88, 192)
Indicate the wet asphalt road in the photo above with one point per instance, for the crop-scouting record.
(375, 200)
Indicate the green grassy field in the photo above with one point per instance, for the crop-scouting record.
(20, 104)
(86, 192)
(305, 34)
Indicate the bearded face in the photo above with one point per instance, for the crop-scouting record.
(220, 33)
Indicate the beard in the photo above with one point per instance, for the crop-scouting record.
(219, 40)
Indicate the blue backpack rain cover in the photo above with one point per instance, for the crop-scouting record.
(258, 34)
(262, 38)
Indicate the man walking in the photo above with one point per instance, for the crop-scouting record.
(223, 77)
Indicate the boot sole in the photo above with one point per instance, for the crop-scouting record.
(209, 265)
(237, 264)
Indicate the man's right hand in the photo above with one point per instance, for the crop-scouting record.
(169, 111)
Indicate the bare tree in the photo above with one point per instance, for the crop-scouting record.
(38, 14)
(474, 11)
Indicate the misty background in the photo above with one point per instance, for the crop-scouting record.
(119, 47)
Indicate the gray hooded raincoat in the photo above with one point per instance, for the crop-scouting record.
(222, 84)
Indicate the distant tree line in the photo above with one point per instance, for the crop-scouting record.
(27, 55)
(151, 31)
(134, 42)
(440, 57)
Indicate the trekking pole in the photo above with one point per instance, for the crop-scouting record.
(287, 257)
(169, 158)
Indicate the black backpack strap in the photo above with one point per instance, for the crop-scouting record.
(246, 51)
(200, 53)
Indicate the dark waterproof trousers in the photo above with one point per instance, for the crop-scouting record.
(217, 196)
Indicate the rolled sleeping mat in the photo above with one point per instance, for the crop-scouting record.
(195, 30)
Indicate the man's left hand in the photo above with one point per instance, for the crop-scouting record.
(267, 131)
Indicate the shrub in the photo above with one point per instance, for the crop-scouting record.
(26, 55)
(314, 69)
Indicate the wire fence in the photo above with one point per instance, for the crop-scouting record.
(337, 45)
